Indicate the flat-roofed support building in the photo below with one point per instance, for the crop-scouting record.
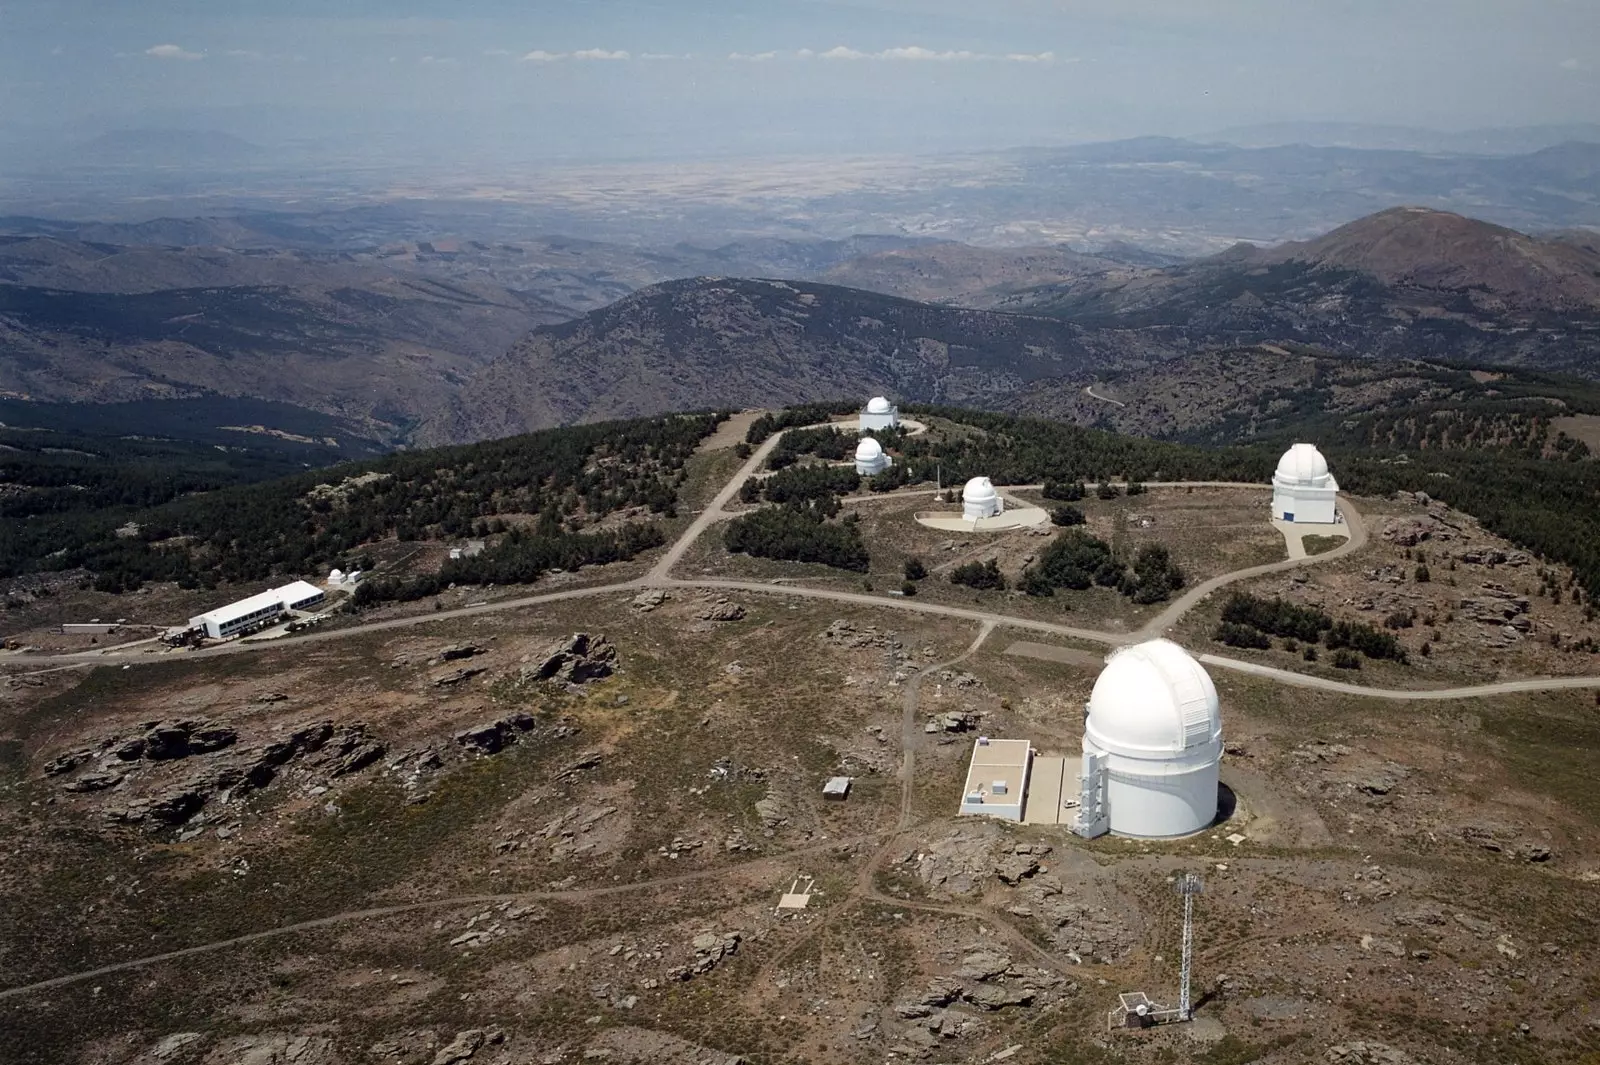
(997, 780)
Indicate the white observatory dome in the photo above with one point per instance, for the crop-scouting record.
(335, 576)
(870, 458)
(979, 499)
(878, 405)
(1302, 464)
(1155, 733)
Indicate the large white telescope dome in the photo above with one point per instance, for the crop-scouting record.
(1153, 740)
(878, 405)
(1302, 464)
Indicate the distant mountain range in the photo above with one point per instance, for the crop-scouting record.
(446, 340)
(1403, 283)
(1495, 140)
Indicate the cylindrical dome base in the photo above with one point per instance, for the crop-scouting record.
(1161, 799)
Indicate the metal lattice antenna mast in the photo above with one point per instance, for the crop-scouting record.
(1188, 886)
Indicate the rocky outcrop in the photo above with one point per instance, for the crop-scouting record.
(710, 948)
(1367, 1054)
(496, 736)
(576, 660)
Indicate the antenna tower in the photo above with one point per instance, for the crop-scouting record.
(1188, 886)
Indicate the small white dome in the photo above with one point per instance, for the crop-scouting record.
(1302, 464)
(978, 490)
(869, 450)
(878, 405)
(335, 576)
(1153, 698)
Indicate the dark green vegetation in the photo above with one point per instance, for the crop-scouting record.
(1077, 561)
(976, 574)
(800, 532)
(1248, 621)
(797, 484)
(520, 557)
(567, 478)
(793, 418)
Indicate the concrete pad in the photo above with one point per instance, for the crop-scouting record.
(1042, 804)
(1018, 516)
(1294, 531)
(1049, 652)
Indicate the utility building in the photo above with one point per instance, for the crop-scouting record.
(879, 413)
(258, 610)
(1302, 487)
(979, 499)
(997, 779)
(870, 457)
(1152, 746)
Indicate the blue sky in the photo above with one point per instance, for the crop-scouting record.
(643, 77)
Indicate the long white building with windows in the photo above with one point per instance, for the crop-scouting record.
(258, 610)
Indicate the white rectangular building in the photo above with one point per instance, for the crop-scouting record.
(997, 780)
(258, 610)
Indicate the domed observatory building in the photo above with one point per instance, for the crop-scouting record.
(1302, 488)
(979, 499)
(870, 457)
(879, 413)
(1152, 746)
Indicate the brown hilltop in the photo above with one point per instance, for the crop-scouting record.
(1417, 246)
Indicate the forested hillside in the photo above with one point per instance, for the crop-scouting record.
(563, 480)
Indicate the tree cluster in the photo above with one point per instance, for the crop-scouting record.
(1245, 614)
(798, 533)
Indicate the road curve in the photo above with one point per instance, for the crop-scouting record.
(1355, 525)
(1475, 691)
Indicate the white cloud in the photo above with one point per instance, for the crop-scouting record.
(747, 57)
(664, 55)
(917, 52)
(171, 51)
(539, 55)
(437, 61)
(599, 53)
(1570, 64)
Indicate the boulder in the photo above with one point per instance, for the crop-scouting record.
(66, 763)
(1368, 1054)
(983, 965)
(577, 660)
(94, 782)
(997, 997)
(721, 610)
(458, 651)
(462, 1047)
